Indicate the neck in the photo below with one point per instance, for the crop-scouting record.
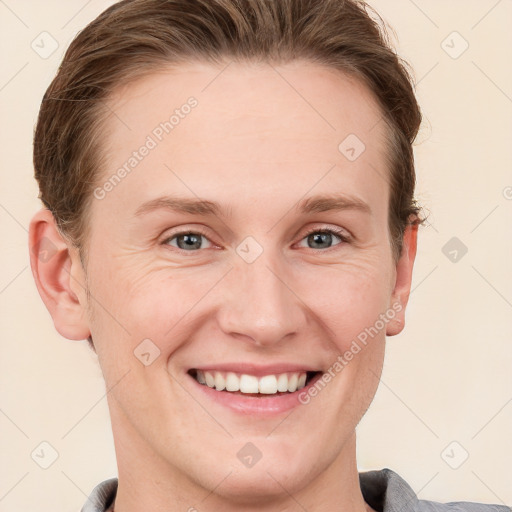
(147, 482)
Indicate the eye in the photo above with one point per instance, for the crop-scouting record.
(191, 241)
(187, 240)
(322, 238)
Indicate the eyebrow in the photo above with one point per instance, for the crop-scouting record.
(180, 204)
(319, 203)
(332, 202)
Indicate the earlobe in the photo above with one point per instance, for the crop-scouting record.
(59, 276)
(402, 289)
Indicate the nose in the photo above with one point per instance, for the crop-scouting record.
(258, 302)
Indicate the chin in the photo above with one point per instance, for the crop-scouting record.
(263, 486)
(281, 470)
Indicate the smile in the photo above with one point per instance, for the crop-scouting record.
(247, 384)
(263, 395)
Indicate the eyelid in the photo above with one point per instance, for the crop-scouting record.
(341, 233)
(194, 230)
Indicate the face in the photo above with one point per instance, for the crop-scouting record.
(248, 241)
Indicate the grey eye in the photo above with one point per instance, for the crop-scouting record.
(322, 239)
(187, 241)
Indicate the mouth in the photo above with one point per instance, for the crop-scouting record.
(247, 385)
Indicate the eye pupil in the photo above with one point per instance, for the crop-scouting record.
(318, 237)
(191, 241)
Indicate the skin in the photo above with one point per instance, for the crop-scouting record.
(255, 146)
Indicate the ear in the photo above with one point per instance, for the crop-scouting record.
(59, 276)
(402, 289)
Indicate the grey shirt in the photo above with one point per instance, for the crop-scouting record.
(383, 490)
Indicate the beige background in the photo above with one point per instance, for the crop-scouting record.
(446, 377)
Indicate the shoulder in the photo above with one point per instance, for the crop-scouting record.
(101, 497)
(460, 506)
(386, 491)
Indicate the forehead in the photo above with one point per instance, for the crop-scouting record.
(251, 94)
(252, 127)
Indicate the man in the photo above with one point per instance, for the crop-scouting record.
(229, 188)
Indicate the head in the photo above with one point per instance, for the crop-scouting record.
(192, 156)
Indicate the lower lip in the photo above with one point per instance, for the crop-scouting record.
(270, 405)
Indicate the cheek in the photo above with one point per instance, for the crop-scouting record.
(351, 299)
(131, 287)
(149, 302)
(162, 299)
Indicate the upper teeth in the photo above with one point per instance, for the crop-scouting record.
(268, 384)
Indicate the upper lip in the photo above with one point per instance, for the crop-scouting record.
(257, 369)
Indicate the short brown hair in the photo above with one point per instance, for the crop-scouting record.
(135, 37)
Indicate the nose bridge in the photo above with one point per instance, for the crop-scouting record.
(260, 303)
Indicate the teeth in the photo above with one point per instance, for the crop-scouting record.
(210, 380)
(268, 384)
(200, 378)
(282, 382)
(249, 384)
(232, 382)
(220, 382)
(292, 382)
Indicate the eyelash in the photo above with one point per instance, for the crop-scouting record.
(341, 234)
